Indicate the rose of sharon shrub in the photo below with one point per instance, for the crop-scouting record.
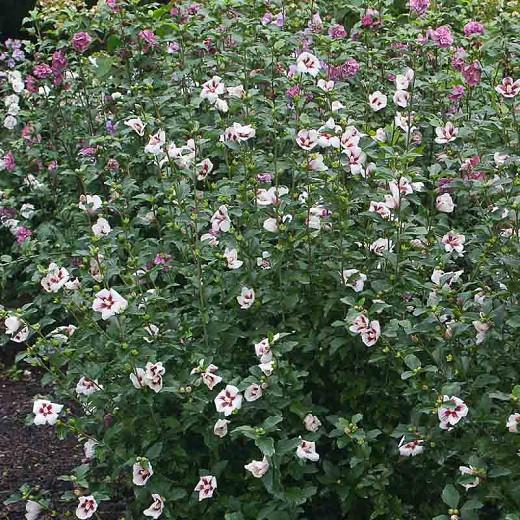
(266, 255)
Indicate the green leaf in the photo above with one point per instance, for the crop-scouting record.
(412, 361)
(154, 451)
(450, 496)
(266, 445)
(271, 422)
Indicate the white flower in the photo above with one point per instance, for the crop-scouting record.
(221, 428)
(307, 450)
(263, 261)
(87, 507)
(46, 412)
(380, 135)
(271, 224)
(209, 377)
(412, 448)
(236, 92)
(263, 350)
(32, 510)
(206, 486)
(402, 81)
(359, 324)
(446, 133)
(12, 324)
(451, 411)
(326, 86)
(311, 423)
(220, 221)
(55, 278)
(136, 125)
(307, 63)
(89, 448)
(258, 468)
(232, 258)
(513, 421)
(381, 209)
(21, 335)
(221, 105)
(153, 376)
(353, 278)
(156, 508)
(500, 159)
(246, 298)
(156, 143)
(27, 211)
(228, 400)
(377, 100)
(469, 470)
(109, 302)
(307, 139)
(87, 386)
(141, 472)
(381, 246)
(238, 133)
(336, 106)
(270, 196)
(267, 368)
(138, 378)
(482, 329)
(371, 334)
(401, 98)
(10, 122)
(453, 242)
(212, 89)
(203, 169)
(252, 393)
(316, 163)
(101, 227)
(444, 203)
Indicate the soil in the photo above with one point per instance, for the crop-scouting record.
(30, 454)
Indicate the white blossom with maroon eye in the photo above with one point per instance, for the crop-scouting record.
(360, 324)
(153, 376)
(138, 378)
(252, 392)
(89, 449)
(381, 246)
(307, 139)
(101, 228)
(377, 101)
(156, 143)
(236, 92)
(206, 486)
(482, 328)
(90, 203)
(209, 376)
(380, 135)
(326, 86)
(447, 278)
(371, 334)
(263, 261)
(350, 138)
(87, 386)
(221, 105)
(136, 125)
(212, 89)
(315, 162)
(311, 423)
(156, 508)
(267, 368)
(453, 242)
(446, 133)
(246, 298)
(109, 302)
(307, 450)
(55, 278)
(21, 335)
(220, 221)
(513, 421)
(258, 468)
(451, 411)
(210, 238)
(153, 332)
(46, 412)
(444, 203)
(401, 98)
(73, 285)
(307, 63)
(402, 81)
(471, 472)
(238, 133)
(381, 209)
(12, 325)
(32, 510)
(336, 106)
(412, 448)
(356, 160)
(221, 428)
(141, 471)
(231, 256)
(263, 350)
(271, 196)
(328, 134)
(228, 400)
(204, 168)
(353, 278)
(508, 88)
(87, 507)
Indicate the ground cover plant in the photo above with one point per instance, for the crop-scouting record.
(266, 255)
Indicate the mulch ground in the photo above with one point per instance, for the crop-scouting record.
(30, 454)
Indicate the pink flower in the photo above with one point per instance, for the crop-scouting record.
(81, 41)
(508, 88)
(136, 125)
(149, 38)
(337, 32)
(206, 486)
(457, 92)
(458, 59)
(87, 507)
(42, 71)
(22, 233)
(419, 6)
(472, 74)
(9, 162)
(451, 411)
(87, 386)
(473, 28)
(209, 376)
(442, 36)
